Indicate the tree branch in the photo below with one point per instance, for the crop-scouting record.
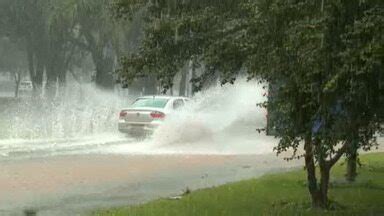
(80, 44)
(338, 155)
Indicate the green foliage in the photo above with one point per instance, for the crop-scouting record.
(322, 59)
(12, 56)
(301, 47)
(176, 32)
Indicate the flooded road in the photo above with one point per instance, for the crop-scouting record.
(73, 176)
(71, 185)
(59, 176)
(123, 171)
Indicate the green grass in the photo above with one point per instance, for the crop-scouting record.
(277, 194)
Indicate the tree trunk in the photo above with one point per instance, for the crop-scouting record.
(17, 82)
(52, 78)
(352, 155)
(311, 170)
(104, 69)
(103, 57)
(39, 74)
(319, 193)
(31, 63)
(35, 66)
(183, 81)
(62, 81)
(351, 166)
(37, 77)
(324, 183)
(194, 89)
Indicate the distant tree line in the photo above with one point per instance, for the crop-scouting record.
(55, 36)
(323, 61)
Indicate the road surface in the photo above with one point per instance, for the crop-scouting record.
(74, 177)
(77, 183)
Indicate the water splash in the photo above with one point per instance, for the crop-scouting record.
(221, 119)
(218, 120)
(81, 111)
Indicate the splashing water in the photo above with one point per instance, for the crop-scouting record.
(218, 120)
(222, 119)
(81, 120)
(81, 111)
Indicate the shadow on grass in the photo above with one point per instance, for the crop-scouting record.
(282, 205)
(369, 184)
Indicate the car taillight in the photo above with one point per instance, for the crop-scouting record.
(157, 115)
(123, 114)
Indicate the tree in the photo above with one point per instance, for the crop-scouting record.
(306, 50)
(60, 29)
(13, 60)
(176, 33)
(43, 26)
(363, 67)
(24, 21)
(57, 33)
(98, 34)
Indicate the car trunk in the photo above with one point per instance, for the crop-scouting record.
(138, 116)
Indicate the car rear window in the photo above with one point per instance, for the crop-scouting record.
(25, 84)
(150, 102)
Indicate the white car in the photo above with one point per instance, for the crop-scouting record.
(147, 113)
(26, 86)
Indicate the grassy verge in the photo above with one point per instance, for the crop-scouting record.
(278, 194)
